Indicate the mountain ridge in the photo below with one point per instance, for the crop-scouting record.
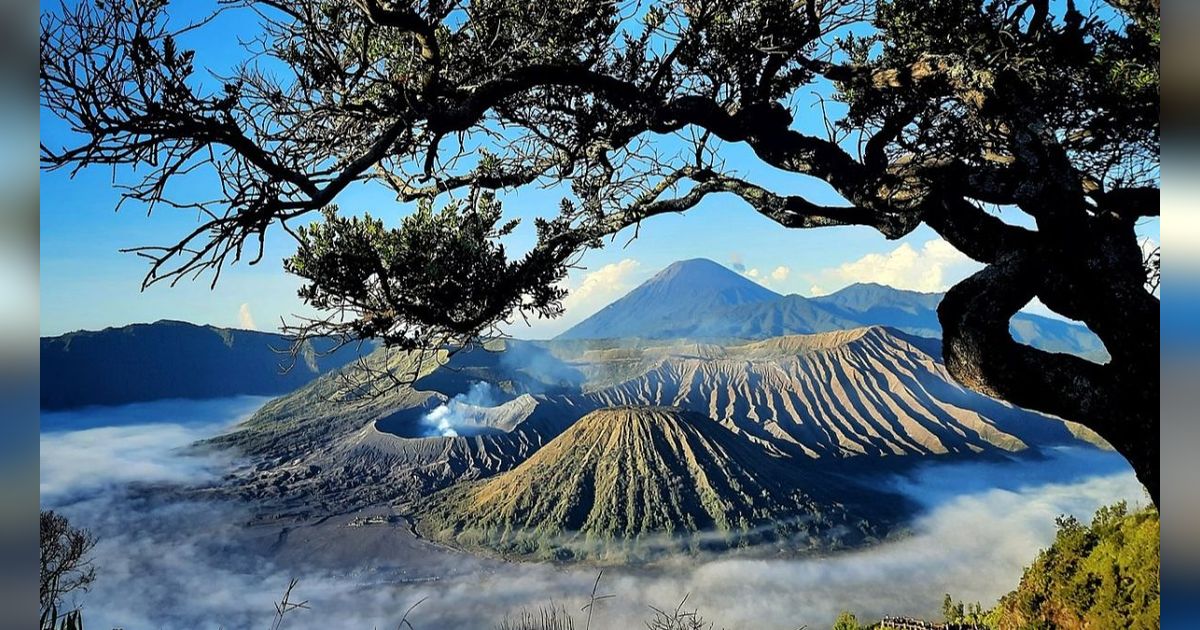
(859, 304)
(175, 359)
(865, 395)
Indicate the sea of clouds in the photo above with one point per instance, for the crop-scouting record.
(168, 562)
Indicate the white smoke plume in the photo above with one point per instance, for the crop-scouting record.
(449, 418)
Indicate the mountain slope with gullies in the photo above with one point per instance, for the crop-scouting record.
(629, 483)
(339, 444)
(868, 395)
(868, 391)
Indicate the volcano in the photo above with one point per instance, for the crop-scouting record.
(628, 483)
(668, 304)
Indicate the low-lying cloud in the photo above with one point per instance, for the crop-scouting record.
(90, 450)
(167, 563)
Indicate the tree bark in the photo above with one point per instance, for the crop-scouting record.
(1117, 400)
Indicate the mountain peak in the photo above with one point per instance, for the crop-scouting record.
(862, 297)
(879, 287)
(693, 265)
(648, 421)
(706, 271)
(700, 299)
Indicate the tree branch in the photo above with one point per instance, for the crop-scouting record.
(797, 212)
(408, 21)
(980, 353)
(1132, 203)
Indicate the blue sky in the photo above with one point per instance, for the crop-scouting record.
(86, 283)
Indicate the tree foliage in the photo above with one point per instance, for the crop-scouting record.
(1102, 575)
(428, 269)
(934, 112)
(967, 614)
(846, 620)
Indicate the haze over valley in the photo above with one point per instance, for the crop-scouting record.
(700, 435)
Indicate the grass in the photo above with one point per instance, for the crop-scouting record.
(549, 617)
(545, 618)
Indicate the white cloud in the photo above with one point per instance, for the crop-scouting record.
(933, 267)
(99, 447)
(593, 291)
(766, 278)
(601, 286)
(245, 319)
(817, 290)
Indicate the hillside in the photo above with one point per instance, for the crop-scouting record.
(662, 309)
(1100, 575)
(329, 447)
(629, 482)
(169, 359)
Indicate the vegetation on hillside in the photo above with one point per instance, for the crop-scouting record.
(1101, 575)
(846, 620)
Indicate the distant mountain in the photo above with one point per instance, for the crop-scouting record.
(700, 311)
(672, 302)
(916, 313)
(631, 482)
(876, 304)
(170, 359)
(788, 315)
